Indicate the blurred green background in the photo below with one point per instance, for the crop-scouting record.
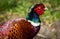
(12, 9)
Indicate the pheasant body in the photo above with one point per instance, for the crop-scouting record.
(15, 29)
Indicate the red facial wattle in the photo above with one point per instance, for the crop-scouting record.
(39, 9)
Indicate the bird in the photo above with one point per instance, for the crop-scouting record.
(23, 28)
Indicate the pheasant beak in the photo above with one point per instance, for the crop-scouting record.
(45, 8)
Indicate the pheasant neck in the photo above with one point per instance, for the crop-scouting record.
(32, 16)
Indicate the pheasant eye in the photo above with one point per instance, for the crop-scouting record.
(39, 8)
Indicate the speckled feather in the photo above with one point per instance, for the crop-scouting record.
(17, 29)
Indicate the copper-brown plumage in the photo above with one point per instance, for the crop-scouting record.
(18, 29)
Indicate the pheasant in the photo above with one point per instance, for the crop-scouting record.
(23, 28)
